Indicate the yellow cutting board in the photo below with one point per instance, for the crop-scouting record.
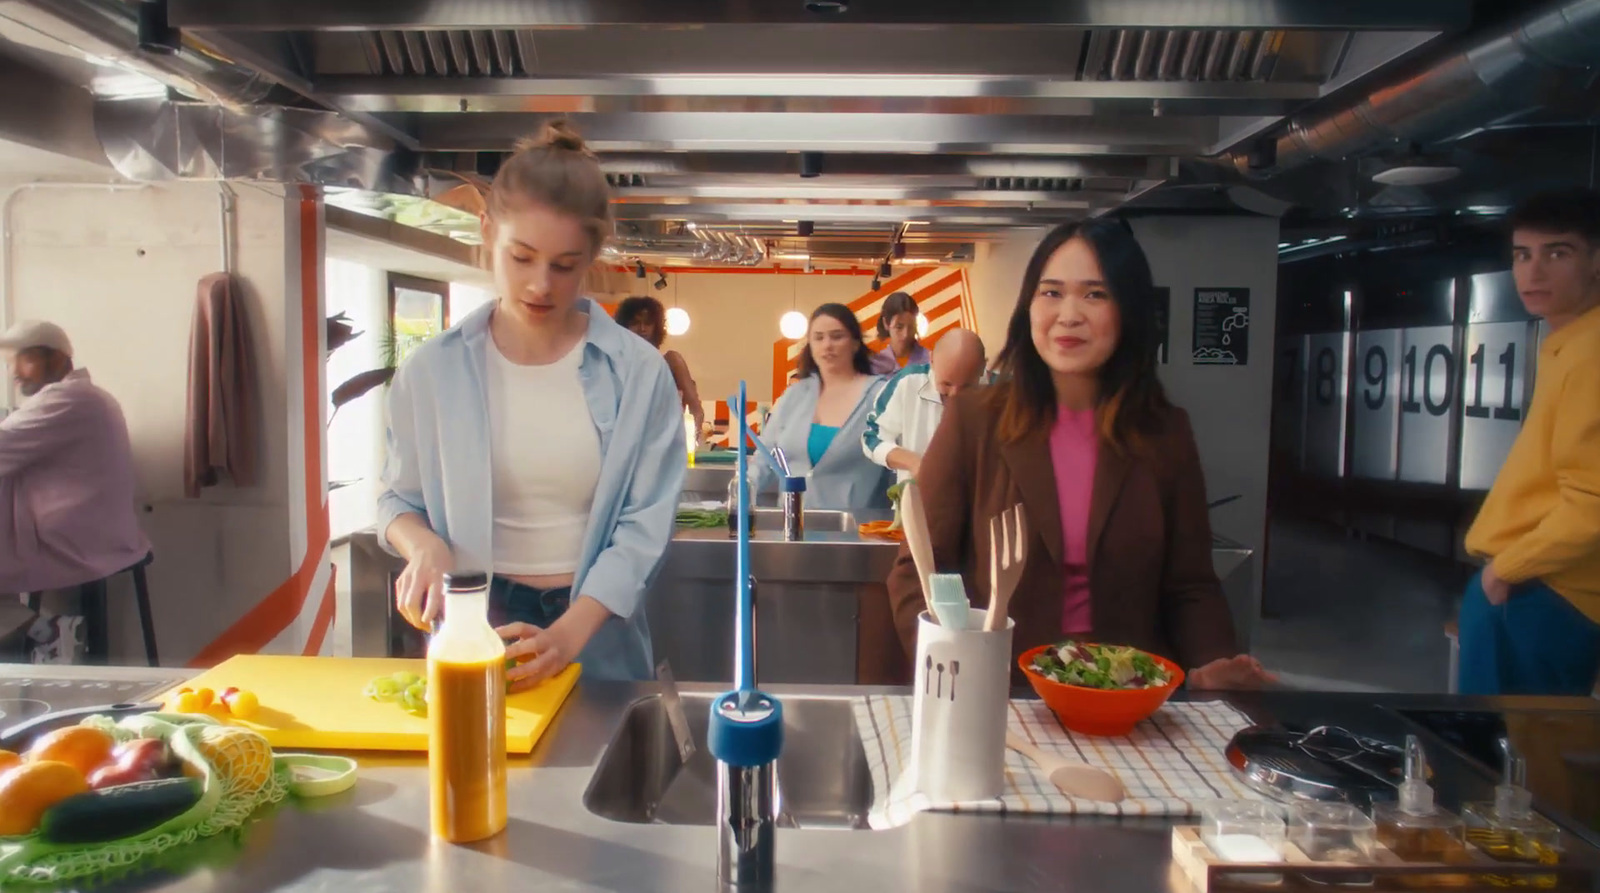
(319, 703)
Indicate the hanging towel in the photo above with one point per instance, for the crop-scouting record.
(220, 426)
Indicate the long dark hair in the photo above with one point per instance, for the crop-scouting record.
(893, 306)
(1131, 400)
(631, 309)
(862, 361)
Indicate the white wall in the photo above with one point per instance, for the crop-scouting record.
(355, 434)
(996, 277)
(1230, 407)
(118, 270)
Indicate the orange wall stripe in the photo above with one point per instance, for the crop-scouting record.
(889, 288)
(325, 615)
(780, 367)
(275, 613)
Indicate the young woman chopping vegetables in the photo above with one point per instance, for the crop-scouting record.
(1079, 431)
(537, 439)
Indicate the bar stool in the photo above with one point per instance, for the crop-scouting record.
(96, 623)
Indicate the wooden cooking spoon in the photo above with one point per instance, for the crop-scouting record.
(1073, 778)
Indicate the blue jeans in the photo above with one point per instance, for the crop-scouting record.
(1536, 643)
(513, 602)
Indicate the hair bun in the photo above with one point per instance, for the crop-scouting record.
(557, 134)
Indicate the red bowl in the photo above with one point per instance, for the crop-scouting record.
(1098, 711)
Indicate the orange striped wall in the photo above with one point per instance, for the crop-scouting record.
(943, 294)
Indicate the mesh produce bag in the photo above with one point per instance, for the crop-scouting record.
(236, 781)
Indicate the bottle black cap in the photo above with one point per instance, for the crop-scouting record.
(464, 581)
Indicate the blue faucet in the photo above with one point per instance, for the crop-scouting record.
(745, 731)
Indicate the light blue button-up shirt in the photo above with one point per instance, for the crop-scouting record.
(844, 478)
(438, 467)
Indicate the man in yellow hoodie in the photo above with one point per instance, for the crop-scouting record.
(1530, 622)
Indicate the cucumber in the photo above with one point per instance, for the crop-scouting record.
(119, 812)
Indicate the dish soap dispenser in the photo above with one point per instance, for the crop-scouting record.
(1415, 828)
(1508, 829)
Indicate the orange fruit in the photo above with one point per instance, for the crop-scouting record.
(27, 790)
(7, 760)
(80, 747)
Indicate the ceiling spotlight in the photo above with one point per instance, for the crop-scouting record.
(155, 35)
(828, 7)
(677, 321)
(810, 164)
(899, 249)
(638, 269)
(876, 284)
(884, 270)
(661, 280)
(1263, 154)
(805, 227)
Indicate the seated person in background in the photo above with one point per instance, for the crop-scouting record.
(908, 410)
(1080, 433)
(1530, 622)
(66, 471)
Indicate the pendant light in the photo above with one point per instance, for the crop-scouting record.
(792, 325)
(677, 317)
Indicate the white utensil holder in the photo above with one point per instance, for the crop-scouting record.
(959, 709)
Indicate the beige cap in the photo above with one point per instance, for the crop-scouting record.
(35, 333)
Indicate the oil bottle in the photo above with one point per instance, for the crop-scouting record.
(1508, 829)
(1416, 828)
(466, 716)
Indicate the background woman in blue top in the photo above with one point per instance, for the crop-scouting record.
(819, 420)
(538, 439)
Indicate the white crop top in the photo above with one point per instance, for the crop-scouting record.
(545, 463)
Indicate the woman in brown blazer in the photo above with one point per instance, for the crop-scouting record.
(1079, 431)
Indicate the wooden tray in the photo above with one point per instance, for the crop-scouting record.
(1206, 872)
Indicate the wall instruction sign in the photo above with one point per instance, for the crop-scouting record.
(1221, 326)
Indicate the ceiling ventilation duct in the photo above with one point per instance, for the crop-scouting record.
(656, 244)
(108, 31)
(1494, 80)
(155, 139)
(225, 129)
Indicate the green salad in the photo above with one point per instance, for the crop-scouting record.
(1100, 666)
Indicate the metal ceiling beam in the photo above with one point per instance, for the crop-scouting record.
(357, 15)
(709, 131)
(796, 193)
(872, 94)
(699, 166)
(822, 214)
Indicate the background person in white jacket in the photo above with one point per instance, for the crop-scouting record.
(908, 410)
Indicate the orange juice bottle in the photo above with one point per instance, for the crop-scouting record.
(467, 716)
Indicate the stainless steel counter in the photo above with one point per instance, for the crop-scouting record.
(809, 604)
(375, 838)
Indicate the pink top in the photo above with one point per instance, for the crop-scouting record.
(67, 490)
(1074, 447)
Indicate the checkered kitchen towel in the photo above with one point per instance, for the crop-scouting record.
(1171, 763)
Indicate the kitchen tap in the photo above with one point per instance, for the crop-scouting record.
(792, 490)
(745, 733)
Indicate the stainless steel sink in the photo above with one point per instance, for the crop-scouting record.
(819, 520)
(823, 779)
